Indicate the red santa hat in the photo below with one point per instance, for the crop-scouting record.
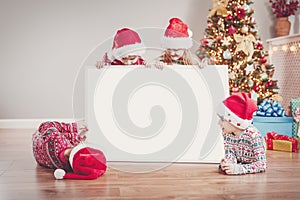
(127, 42)
(87, 163)
(239, 109)
(177, 35)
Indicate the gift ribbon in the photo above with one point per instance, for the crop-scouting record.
(245, 44)
(270, 108)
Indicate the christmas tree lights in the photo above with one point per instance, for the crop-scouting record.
(231, 38)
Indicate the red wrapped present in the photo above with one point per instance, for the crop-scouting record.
(279, 142)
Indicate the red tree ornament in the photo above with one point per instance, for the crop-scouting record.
(263, 60)
(256, 88)
(259, 46)
(231, 30)
(229, 17)
(235, 88)
(270, 84)
(240, 13)
(204, 42)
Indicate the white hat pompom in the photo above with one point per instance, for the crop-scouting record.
(59, 174)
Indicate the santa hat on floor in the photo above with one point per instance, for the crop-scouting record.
(177, 35)
(239, 109)
(86, 162)
(127, 42)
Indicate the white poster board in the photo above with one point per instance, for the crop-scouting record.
(143, 114)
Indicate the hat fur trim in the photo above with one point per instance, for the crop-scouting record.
(176, 43)
(74, 151)
(132, 49)
(235, 120)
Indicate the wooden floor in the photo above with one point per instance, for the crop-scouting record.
(22, 178)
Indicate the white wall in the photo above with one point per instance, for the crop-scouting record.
(44, 43)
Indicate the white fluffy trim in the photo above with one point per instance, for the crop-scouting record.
(59, 174)
(132, 49)
(236, 120)
(176, 43)
(74, 151)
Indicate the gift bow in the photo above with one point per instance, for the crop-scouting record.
(219, 7)
(245, 43)
(274, 136)
(270, 108)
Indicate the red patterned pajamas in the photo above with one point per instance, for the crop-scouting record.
(51, 140)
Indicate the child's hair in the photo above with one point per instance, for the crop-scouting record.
(186, 58)
(166, 57)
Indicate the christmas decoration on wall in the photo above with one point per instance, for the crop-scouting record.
(234, 41)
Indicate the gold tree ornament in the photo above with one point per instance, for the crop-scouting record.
(245, 44)
(219, 7)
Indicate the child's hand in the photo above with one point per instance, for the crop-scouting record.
(159, 65)
(220, 166)
(82, 130)
(100, 64)
(223, 161)
(231, 168)
(201, 64)
(147, 65)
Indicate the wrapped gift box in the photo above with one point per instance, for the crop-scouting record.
(279, 142)
(295, 103)
(280, 125)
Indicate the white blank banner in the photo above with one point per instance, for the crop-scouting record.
(148, 115)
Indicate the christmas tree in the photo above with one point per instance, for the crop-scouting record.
(231, 38)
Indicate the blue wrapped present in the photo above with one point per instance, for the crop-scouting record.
(280, 125)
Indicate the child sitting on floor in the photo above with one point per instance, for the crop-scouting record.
(245, 150)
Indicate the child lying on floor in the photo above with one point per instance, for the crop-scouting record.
(59, 145)
(245, 150)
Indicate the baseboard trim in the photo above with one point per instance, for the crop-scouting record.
(26, 123)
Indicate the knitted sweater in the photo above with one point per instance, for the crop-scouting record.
(247, 149)
(51, 140)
